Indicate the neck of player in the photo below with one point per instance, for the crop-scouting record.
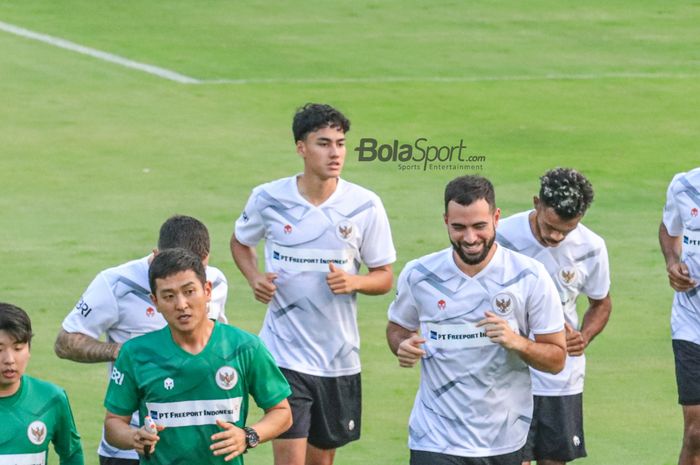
(315, 189)
(196, 340)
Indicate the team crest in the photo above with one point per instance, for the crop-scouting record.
(226, 377)
(345, 230)
(503, 303)
(568, 275)
(287, 228)
(441, 304)
(150, 312)
(168, 384)
(694, 212)
(37, 432)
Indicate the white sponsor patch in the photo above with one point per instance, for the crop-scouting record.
(297, 259)
(462, 336)
(23, 459)
(195, 412)
(226, 378)
(691, 241)
(36, 432)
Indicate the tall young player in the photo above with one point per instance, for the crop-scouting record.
(117, 303)
(318, 230)
(577, 260)
(467, 311)
(34, 413)
(193, 378)
(679, 235)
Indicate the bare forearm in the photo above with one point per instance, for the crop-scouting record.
(119, 433)
(396, 334)
(82, 348)
(246, 259)
(595, 318)
(547, 353)
(670, 246)
(376, 282)
(276, 421)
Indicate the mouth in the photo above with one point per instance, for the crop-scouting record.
(9, 374)
(471, 249)
(184, 318)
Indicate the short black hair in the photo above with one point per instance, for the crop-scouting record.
(314, 116)
(172, 261)
(185, 232)
(15, 322)
(567, 191)
(466, 190)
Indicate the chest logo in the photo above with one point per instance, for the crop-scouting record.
(345, 230)
(287, 228)
(37, 432)
(150, 312)
(694, 212)
(503, 303)
(168, 384)
(226, 378)
(568, 275)
(441, 304)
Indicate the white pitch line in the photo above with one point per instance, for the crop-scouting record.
(62, 43)
(455, 79)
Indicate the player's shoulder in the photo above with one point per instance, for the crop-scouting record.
(144, 343)
(42, 388)
(241, 339)
(435, 264)
(214, 274)
(515, 263)
(131, 272)
(584, 236)
(357, 193)
(681, 181)
(514, 231)
(283, 187)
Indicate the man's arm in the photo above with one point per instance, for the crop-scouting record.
(405, 344)
(678, 275)
(546, 353)
(377, 281)
(120, 434)
(594, 321)
(82, 348)
(247, 262)
(231, 441)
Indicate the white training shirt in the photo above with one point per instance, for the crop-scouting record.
(578, 265)
(307, 328)
(474, 398)
(682, 218)
(118, 304)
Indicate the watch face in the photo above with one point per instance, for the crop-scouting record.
(251, 437)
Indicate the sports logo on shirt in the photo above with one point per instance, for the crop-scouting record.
(117, 376)
(83, 307)
(168, 384)
(694, 212)
(226, 377)
(345, 230)
(568, 275)
(503, 303)
(244, 217)
(441, 304)
(150, 312)
(37, 432)
(287, 228)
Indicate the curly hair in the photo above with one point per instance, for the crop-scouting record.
(567, 191)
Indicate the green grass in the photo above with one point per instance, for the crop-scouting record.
(94, 157)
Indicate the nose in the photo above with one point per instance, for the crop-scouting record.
(469, 236)
(556, 236)
(7, 357)
(180, 302)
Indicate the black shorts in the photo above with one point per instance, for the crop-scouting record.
(687, 356)
(556, 431)
(325, 410)
(422, 457)
(115, 461)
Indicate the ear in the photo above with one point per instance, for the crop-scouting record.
(154, 299)
(444, 217)
(301, 148)
(535, 201)
(496, 217)
(207, 290)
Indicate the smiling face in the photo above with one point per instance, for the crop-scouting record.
(472, 232)
(323, 152)
(182, 300)
(14, 357)
(549, 228)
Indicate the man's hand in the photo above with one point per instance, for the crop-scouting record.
(339, 281)
(144, 438)
(575, 345)
(230, 441)
(679, 277)
(263, 286)
(409, 351)
(499, 331)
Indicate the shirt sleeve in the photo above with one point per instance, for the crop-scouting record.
(122, 392)
(672, 217)
(544, 310)
(377, 247)
(597, 286)
(249, 228)
(66, 439)
(403, 310)
(219, 294)
(268, 386)
(96, 311)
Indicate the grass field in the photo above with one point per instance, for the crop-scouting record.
(94, 156)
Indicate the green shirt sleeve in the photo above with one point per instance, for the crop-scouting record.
(66, 439)
(122, 397)
(268, 386)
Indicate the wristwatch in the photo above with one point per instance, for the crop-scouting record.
(251, 437)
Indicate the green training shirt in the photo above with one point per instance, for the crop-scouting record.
(187, 393)
(38, 413)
